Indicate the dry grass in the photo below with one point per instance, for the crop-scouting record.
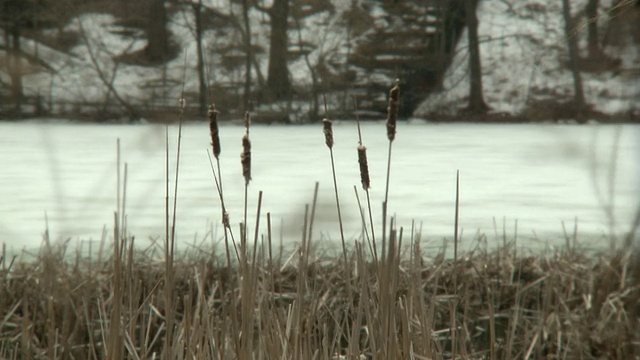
(494, 305)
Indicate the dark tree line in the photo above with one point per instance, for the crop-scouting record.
(18, 17)
(16, 14)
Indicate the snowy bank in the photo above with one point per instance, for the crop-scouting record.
(524, 63)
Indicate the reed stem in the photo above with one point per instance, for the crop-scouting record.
(245, 161)
(365, 180)
(392, 116)
(457, 218)
(328, 133)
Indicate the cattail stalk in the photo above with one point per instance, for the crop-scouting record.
(245, 161)
(215, 142)
(392, 116)
(212, 114)
(366, 182)
(328, 138)
(170, 243)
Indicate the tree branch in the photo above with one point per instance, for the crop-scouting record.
(103, 77)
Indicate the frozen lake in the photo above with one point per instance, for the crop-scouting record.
(539, 175)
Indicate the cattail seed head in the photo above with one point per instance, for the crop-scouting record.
(183, 103)
(225, 220)
(213, 129)
(392, 111)
(364, 167)
(328, 133)
(245, 158)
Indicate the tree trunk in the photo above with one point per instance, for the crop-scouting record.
(157, 34)
(15, 70)
(202, 94)
(476, 99)
(278, 83)
(315, 88)
(591, 13)
(248, 55)
(572, 45)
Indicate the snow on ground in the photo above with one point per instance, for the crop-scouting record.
(523, 51)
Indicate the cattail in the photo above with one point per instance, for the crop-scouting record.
(328, 133)
(392, 111)
(213, 129)
(245, 158)
(364, 167)
(225, 220)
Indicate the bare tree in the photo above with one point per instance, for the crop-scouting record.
(476, 99)
(15, 72)
(107, 71)
(320, 48)
(278, 82)
(240, 22)
(197, 31)
(245, 31)
(157, 48)
(248, 53)
(202, 93)
(591, 13)
(313, 71)
(572, 45)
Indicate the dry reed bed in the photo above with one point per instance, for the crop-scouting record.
(488, 305)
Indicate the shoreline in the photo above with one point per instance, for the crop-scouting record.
(492, 118)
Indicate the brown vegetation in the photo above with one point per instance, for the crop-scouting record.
(498, 305)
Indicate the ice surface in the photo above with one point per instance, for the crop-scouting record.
(539, 175)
